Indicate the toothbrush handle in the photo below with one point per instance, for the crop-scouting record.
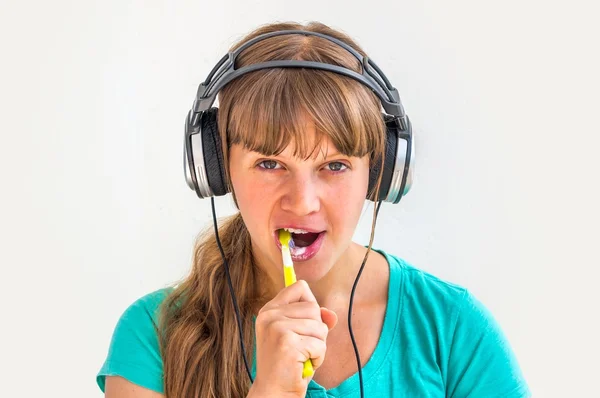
(289, 275)
(290, 278)
(308, 369)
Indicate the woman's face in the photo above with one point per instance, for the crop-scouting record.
(320, 198)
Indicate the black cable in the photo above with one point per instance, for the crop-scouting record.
(235, 306)
(358, 364)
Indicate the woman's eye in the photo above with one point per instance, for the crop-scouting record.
(268, 164)
(337, 166)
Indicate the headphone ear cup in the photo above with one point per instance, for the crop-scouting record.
(213, 152)
(391, 142)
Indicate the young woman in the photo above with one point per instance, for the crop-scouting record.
(301, 150)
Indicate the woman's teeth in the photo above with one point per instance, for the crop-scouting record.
(296, 231)
(301, 238)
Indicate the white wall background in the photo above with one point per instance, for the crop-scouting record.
(95, 211)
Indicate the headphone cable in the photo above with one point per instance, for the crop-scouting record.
(358, 363)
(235, 306)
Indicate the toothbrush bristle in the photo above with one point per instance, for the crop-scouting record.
(285, 237)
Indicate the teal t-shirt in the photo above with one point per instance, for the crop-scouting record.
(437, 340)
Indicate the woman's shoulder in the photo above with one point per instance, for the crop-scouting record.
(149, 304)
(426, 286)
(461, 332)
(144, 311)
(134, 351)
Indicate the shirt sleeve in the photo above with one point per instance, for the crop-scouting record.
(134, 352)
(481, 360)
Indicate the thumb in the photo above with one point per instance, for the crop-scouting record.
(329, 317)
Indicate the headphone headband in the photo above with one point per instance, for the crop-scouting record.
(371, 76)
(202, 156)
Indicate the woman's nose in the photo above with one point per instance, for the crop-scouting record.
(301, 196)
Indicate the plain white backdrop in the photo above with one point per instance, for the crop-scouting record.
(95, 212)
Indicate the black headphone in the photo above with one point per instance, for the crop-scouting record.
(203, 157)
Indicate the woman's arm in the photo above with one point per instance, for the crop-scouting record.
(118, 387)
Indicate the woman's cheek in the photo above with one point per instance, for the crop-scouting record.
(257, 196)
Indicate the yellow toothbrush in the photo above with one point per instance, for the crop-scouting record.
(290, 277)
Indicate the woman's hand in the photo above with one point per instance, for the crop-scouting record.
(290, 329)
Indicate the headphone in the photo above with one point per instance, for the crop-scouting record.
(203, 157)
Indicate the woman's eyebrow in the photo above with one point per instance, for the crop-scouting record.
(321, 153)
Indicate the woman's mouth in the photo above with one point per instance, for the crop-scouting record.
(306, 243)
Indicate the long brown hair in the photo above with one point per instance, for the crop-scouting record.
(263, 111)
